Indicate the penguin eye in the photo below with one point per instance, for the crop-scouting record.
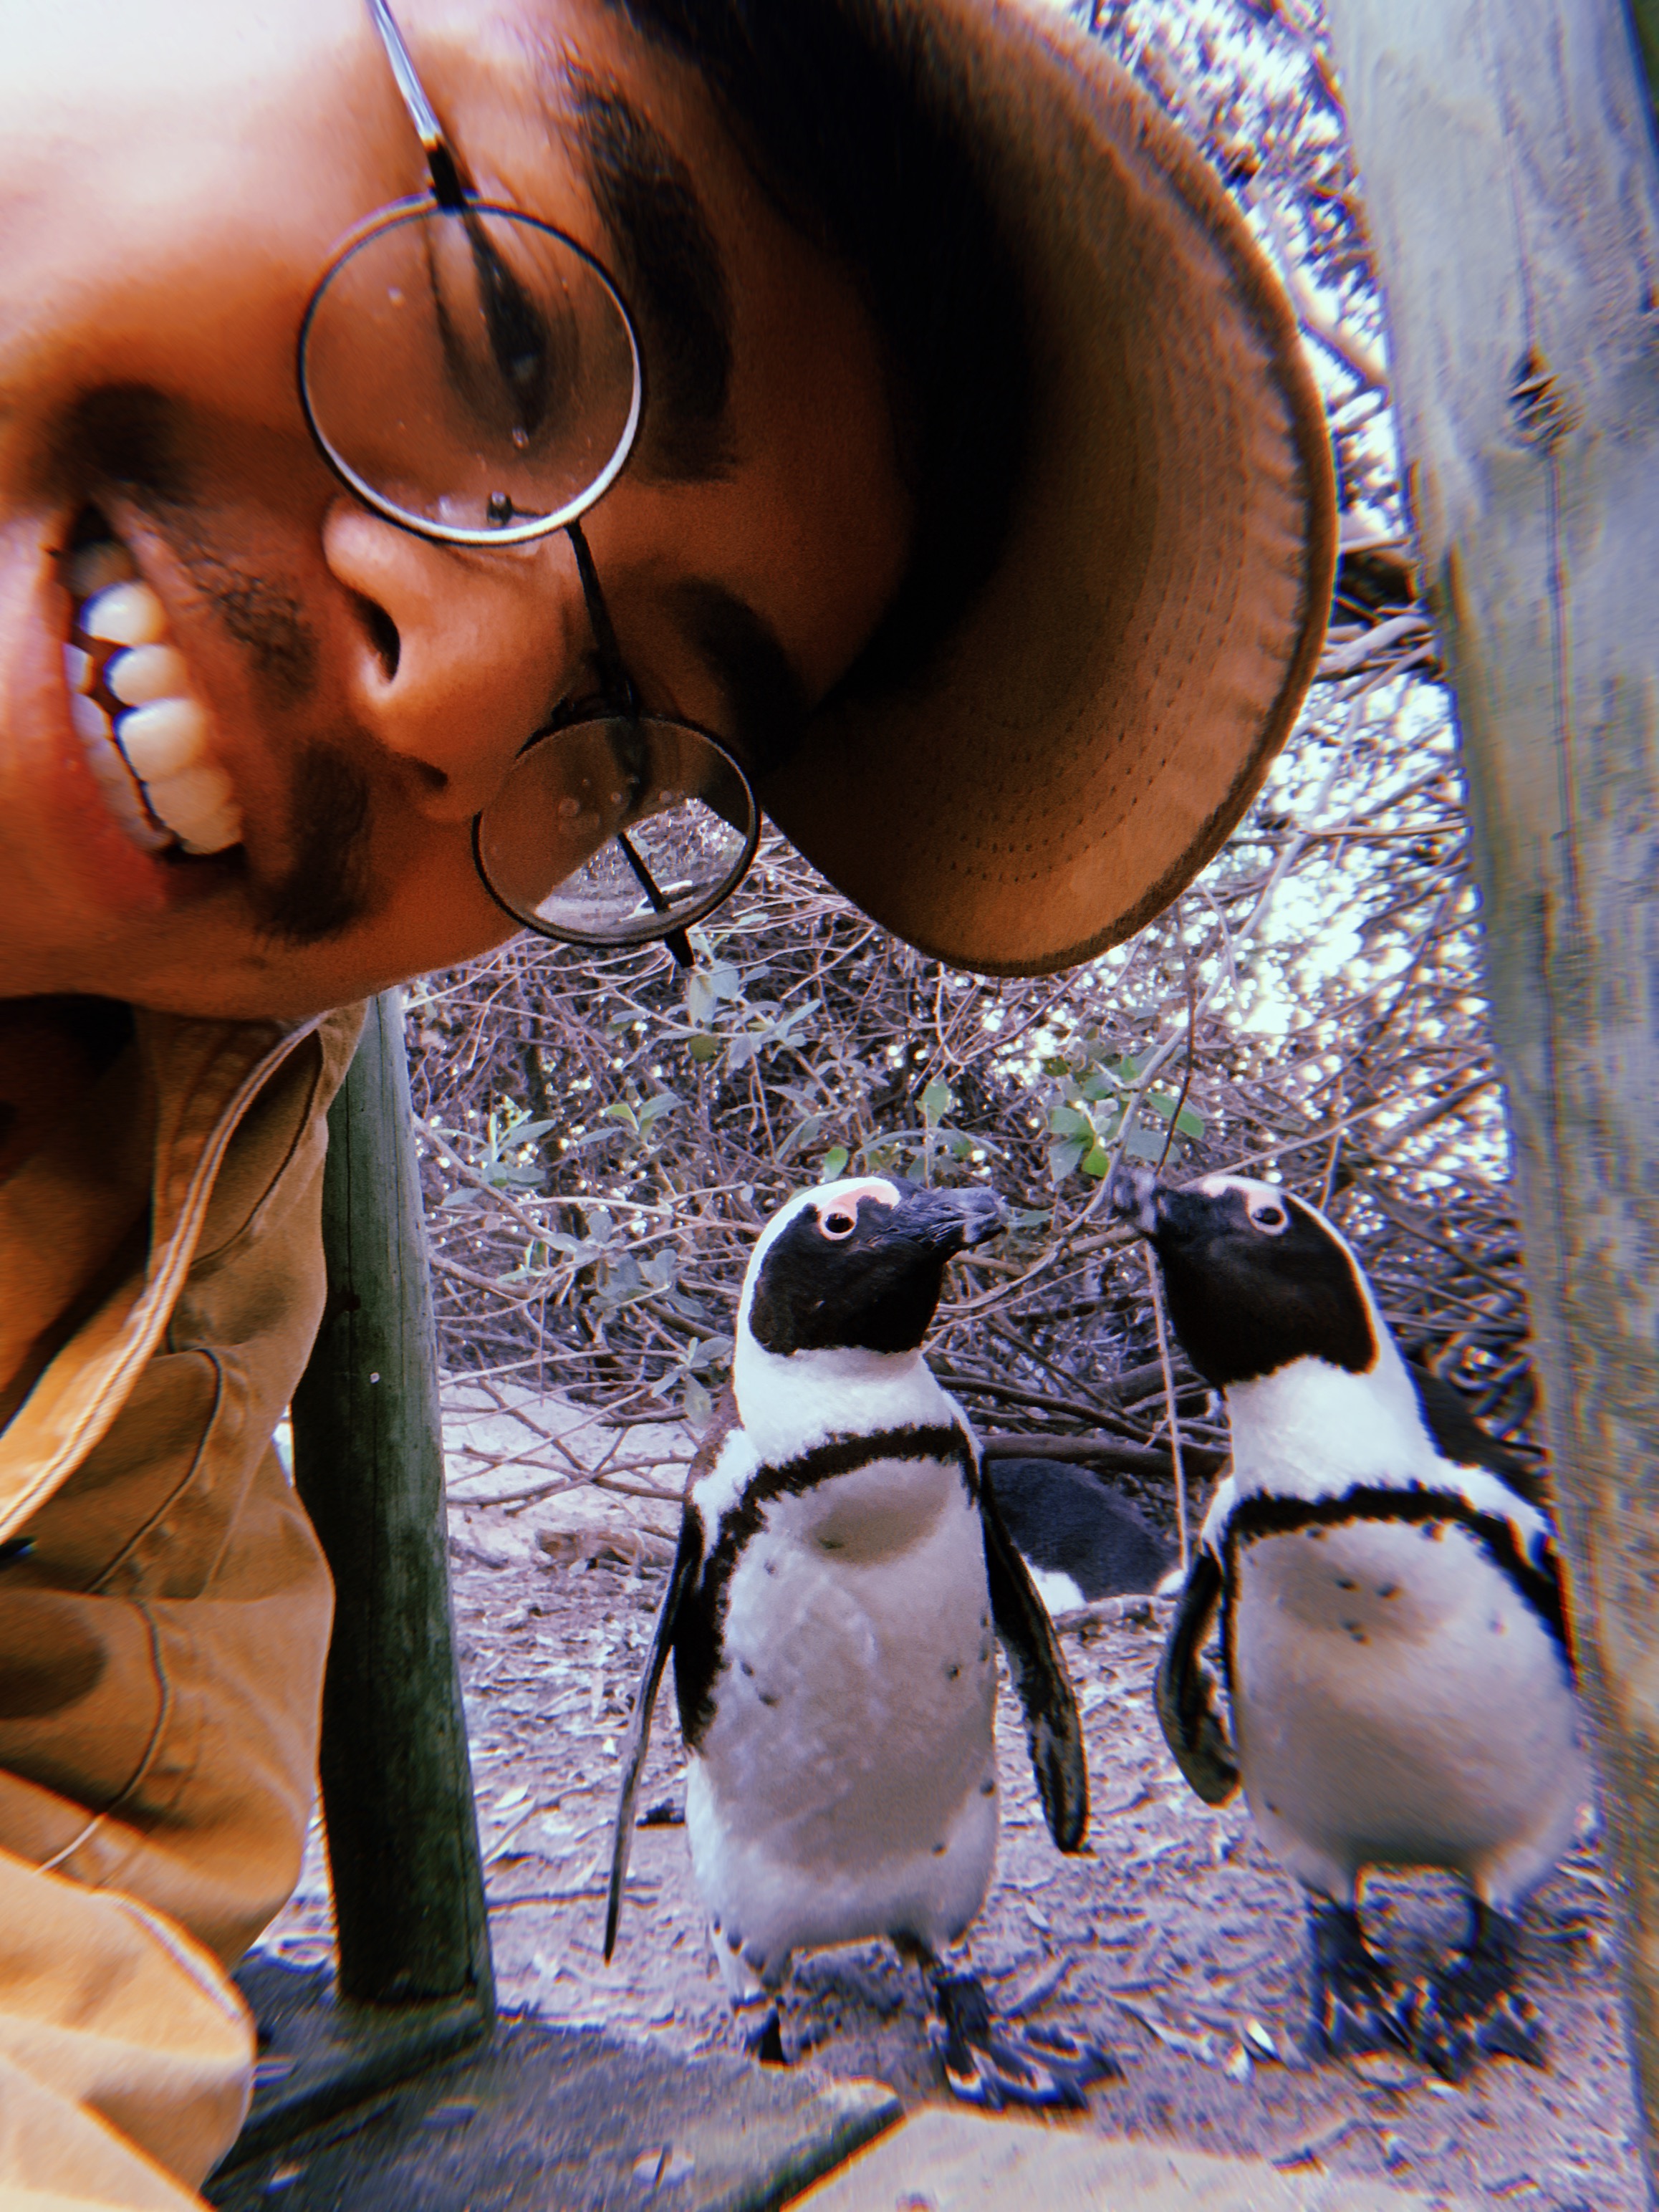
(1268, 1214)
(838, 1224)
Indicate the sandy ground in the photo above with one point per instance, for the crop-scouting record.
(1175, 1940)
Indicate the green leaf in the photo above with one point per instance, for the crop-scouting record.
(803, 1133)
(621, 1112)
(1144, 1144)
(1068, 1122)
(525, 1132)
(833, 1165)
(936, 1100)
(661, 1102)
(704, 1048)
(1063, 1157)
(698, 1405)
(1096, 1162)
(1190, 1121)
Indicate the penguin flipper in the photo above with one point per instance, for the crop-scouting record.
(1053, 1731)
(688, 1558)
(1184, 1691)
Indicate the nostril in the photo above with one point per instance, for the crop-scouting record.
(382, 634)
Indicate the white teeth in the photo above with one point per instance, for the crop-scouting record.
(106, 769)
(125, 614)
(96, 567)
(163, 738)
(189, 801)
(123, 803)
(146, 673)
(223, 830)
(120, 796)
(91, 722)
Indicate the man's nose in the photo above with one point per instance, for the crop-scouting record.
(455, 658)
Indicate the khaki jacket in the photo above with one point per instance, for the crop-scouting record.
(165, 1607)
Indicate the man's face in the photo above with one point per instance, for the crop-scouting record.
(173, 181)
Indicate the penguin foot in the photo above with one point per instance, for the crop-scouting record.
(1471, 2010)
(1356, 1997)
(765, 2042)
(985, 2067)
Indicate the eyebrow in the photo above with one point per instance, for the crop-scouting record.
(675, 277)
(767, 695)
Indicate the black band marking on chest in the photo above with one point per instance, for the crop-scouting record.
(1262, 1514)
(702, 1622)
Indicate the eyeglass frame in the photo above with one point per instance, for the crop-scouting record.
(453, 193)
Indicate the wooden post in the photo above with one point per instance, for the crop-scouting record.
(397, 1781)
(1507, 155)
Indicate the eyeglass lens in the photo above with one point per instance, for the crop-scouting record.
(472, 372)
(615, 830)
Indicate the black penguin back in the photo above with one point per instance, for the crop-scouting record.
(1064, 1520)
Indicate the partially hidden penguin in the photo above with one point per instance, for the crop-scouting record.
(842, 1580)
(1398, 1666)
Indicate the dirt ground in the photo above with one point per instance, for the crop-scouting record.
(1175, 1940)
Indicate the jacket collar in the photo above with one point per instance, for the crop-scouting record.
(204, 1075)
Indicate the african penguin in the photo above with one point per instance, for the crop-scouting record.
(840, 1570)
(1397, 1661)
(1079, 1539)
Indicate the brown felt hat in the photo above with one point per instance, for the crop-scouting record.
(1110, 702)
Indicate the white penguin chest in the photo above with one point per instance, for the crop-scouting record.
(855, 1697)
(1396, 1697)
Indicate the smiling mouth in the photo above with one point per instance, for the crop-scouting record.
(143, 732)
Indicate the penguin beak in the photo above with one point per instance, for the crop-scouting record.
(1135, 1196)
(949, 1221)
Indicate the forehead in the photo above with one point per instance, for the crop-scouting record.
(808, 517)
(847, 1192)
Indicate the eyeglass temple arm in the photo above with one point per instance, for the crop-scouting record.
(449, 184)
(617, 680)
(675, 939)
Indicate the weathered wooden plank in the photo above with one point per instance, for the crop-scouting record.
(368, 1461)
(1508, 160)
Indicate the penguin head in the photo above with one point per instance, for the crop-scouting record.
(859, 1265)
(1255, 1278)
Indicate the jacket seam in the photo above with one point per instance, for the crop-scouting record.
(146, 1760)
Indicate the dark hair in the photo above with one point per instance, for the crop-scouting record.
(844, 110)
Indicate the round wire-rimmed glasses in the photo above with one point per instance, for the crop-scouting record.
(473, 375)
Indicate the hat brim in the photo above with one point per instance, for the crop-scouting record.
(1110, 703)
